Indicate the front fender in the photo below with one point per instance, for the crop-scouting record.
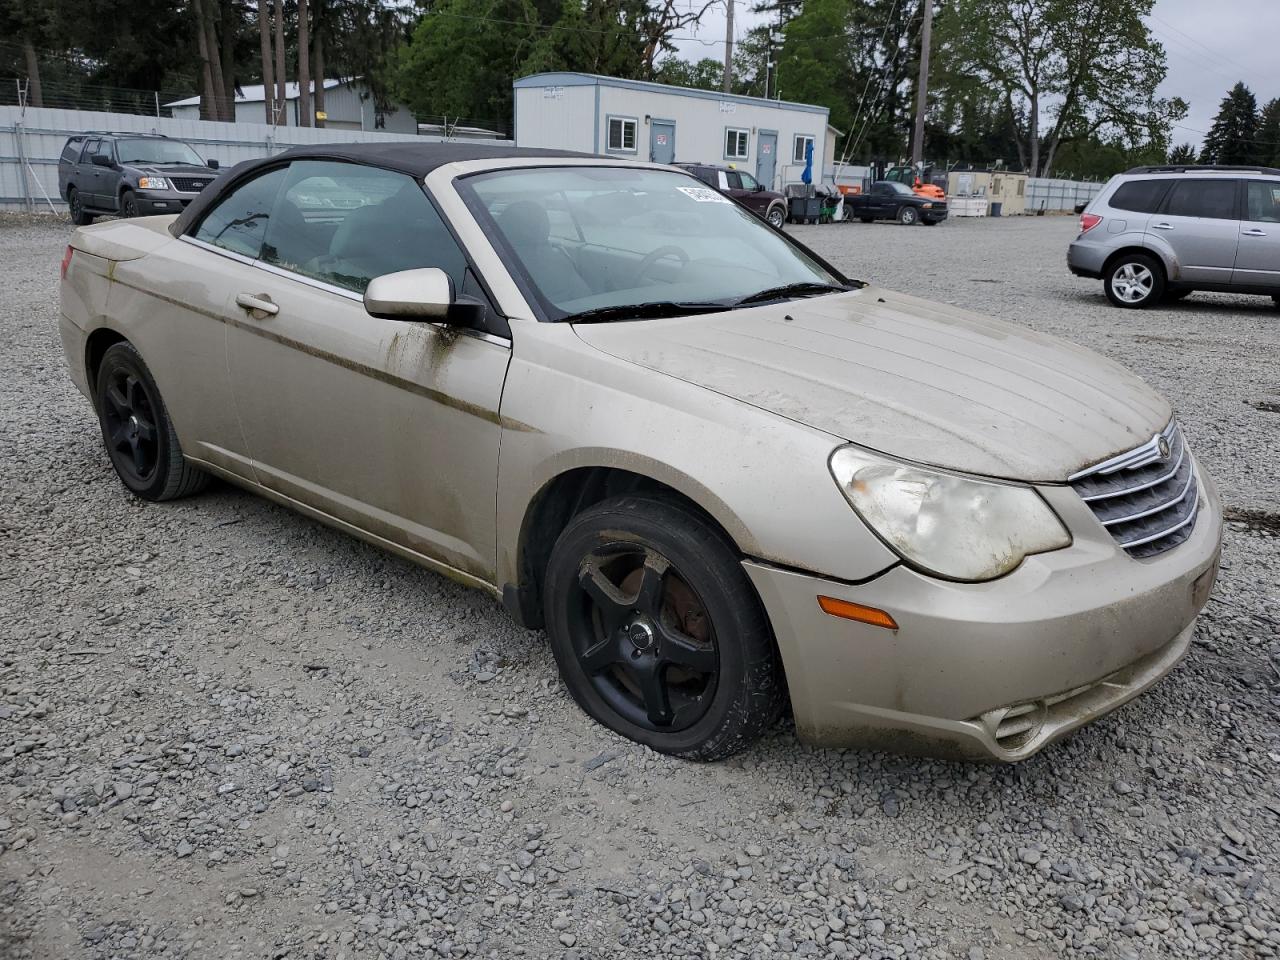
(763, 478)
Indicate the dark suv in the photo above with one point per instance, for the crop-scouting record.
(744, 188)
(129, 174)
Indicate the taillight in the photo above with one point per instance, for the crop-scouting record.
(1088, 221)
(66, 262)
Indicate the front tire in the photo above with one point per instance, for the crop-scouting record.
(657, 631)
(1134, 281)
(776, 216)
(78, 215)
(128, 204)
(137, 432)
(907, 216)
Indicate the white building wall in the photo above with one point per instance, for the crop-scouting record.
(555, 116)
(571, 112)
(343, 105)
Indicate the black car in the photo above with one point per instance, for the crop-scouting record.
(129, 174)
(890, 200)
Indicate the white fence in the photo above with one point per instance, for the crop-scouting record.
(32, 139)
(1066, 195)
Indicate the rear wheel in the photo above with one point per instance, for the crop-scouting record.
(907, 216)
(137, 431)
(78, 215)
(128, 204)
(657, 631)
(1134, 280)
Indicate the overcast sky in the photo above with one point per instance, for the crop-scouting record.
(1210, 44)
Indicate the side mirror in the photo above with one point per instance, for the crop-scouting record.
(213, 164)
(422, 294)
(98, 160)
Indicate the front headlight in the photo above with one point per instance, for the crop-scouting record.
(153, 183)
(956, 527)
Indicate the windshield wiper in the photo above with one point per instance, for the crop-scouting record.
(642, 311)
(804, 288)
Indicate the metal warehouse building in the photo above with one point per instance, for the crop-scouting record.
(653, 121)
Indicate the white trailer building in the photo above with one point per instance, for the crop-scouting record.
(653, 121)
(348, 105)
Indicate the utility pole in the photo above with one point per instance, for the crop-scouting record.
(922, 85)
(728, 48)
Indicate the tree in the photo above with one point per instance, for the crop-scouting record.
(1182, 155)
(29, 24)
(1268, 152)
(706, 74)
(1081, 68)
(264, 43)
(304, 65)
(1233, 137)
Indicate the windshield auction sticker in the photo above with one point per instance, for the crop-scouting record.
(703, 194)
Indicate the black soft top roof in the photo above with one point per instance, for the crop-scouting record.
(405, 156)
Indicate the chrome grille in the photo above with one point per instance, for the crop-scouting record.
(190, 184)
(1146, 498)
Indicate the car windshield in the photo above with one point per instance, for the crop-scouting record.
(602, 239)
(156, 151)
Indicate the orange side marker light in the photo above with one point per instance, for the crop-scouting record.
(848, 610)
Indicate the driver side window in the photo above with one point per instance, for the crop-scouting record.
(345, 223)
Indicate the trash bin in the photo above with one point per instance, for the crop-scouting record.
(996, 207)
(804, 209)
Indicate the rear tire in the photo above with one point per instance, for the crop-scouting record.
(657, 631)
(78, 215)
(137, 431)
(908, 217)
(1134, 281)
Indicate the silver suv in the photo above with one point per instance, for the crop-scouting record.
(1160, 233)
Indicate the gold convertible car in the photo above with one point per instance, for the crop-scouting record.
(722, 475)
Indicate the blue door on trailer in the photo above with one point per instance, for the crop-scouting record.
(662, 141)
(766, 158)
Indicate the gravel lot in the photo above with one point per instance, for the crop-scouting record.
(226, 731)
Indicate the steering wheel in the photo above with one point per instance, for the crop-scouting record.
(653, 257)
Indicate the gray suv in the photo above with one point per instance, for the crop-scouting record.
(1160, 233)
(129, 174)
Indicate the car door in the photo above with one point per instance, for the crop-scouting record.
(1258, 254)
(881, 200)
(106, 178)
(1198, 222)
(87, 174)
(733, 183)
(389, 426)
(752, 194)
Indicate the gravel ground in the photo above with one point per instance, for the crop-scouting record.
(226, 731)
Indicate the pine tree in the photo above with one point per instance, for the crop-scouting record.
(1182, 154)
(1233, 137)
(1268, 152)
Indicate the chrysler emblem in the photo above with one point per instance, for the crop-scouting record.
(1163, 446)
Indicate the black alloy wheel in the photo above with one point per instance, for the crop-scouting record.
(78, 215)
(129, 204)
(136, 429)
(657, 630)
(129, 425)
(643, 638)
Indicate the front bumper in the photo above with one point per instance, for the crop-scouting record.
(995, 670)
(933, 216)
(152, 202)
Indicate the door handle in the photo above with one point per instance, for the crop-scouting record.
(1162, 226)
(1254, 233)
(259, 305)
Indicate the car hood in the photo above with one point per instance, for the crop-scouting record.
(171, 169)
(917, 380)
